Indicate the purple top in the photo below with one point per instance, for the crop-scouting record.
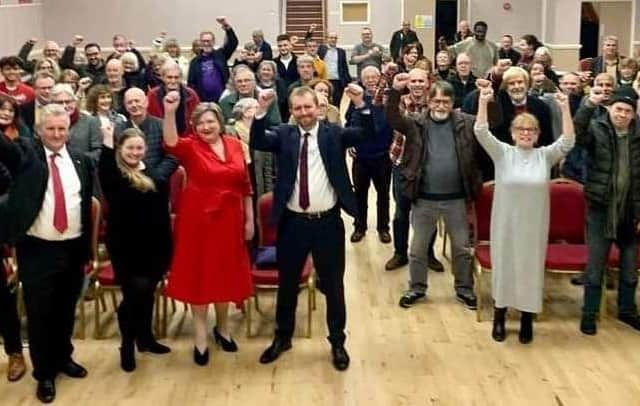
(212, 80)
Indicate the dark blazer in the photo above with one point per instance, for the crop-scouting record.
(289, 74)
(284, 141)
(22, 204)
(220, 58)
(343, 67)
(598, 66)
(399, 40)
(267, 52)
(28, 115)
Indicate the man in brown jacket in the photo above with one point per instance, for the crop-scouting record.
(440, 175)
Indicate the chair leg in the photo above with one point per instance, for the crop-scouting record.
(603, 297)
(479, 292)
(310, 290)
(157, 328)
(249, 313)
(165, 309)
(83, 318)
(98, 299)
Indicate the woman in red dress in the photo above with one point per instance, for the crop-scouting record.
(214, 221)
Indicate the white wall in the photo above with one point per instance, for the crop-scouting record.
(525, 17)
(385, 18)
(19, 23)
(142, 20)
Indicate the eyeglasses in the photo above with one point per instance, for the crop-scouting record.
(526, 129)
(64, 102)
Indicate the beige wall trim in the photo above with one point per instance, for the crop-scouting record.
(564, 46)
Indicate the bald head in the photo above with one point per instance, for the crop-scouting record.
(418, 83)
(135, 102)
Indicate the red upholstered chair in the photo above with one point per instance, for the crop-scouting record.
(482, 250)
(567, 250)
(267, 279)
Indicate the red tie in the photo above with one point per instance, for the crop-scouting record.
(304, 174)
(60, 208)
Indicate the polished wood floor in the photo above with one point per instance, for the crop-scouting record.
(433, 354)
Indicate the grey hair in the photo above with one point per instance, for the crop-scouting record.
(240, 69)
(273, 65)
(243, 105)
(369, 68)
(257, 33)
(304, 59)
(168, 65)
(62, 88)
(51, 110)
(132, 59)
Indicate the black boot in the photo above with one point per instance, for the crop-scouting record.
(526, 328)
(499, 332)
(127, 356)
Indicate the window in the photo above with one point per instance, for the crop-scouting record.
(354, 12)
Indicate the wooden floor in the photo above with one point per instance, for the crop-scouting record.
(433, 354)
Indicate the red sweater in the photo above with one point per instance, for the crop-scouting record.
(156, 108)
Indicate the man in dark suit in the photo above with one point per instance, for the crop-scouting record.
(264, 48)
(335, 59)
(401, 38)
(47, 215)
(311, 187)
(43, 82)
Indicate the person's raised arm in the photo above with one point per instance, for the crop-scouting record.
(230, 40)
(260, 138)
(392, 108)
(491, 144)
(566, 141)
(169, 130)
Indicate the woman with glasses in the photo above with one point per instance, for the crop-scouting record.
(520, 212)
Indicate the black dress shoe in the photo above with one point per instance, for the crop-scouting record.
(73, 370)
(127, 358)
(340, 357)
(357, 236)
(201, 359)
(384, 237)
(588, 325)
(46, 391)
(226, 345)
(434, 264)
(276, 348)
(396, 261)
(153, 347)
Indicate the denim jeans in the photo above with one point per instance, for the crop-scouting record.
(598, 252)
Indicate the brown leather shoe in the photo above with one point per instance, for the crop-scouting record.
(17, 367)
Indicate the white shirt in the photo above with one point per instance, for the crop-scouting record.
(331, 60)
(43, 227)
(322, 195)
(286, 61)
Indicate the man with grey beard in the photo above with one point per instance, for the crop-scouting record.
(441, 177)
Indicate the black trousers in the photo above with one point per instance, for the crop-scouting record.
(52, 275)
(338, 90)
(378, 171)
(138, 275)
(324, 239)
(9, 322)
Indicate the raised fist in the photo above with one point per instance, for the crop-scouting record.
(355, 94)
(400, 81)
(171, 102)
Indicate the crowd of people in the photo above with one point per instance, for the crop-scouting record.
(77, 124)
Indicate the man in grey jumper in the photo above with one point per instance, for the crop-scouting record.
(441, 176)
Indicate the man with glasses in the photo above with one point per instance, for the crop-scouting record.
(208, 72)
(439, 183)
(85, 135)
(95, 63)
(30, 112)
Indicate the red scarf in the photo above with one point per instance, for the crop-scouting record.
(74, 117)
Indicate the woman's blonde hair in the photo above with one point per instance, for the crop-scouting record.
(202, 108)
(138, 180)
(525, 119)
(53, 63)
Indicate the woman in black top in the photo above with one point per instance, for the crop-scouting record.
(138, 237)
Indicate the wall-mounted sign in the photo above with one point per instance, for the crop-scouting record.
(422, 21)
